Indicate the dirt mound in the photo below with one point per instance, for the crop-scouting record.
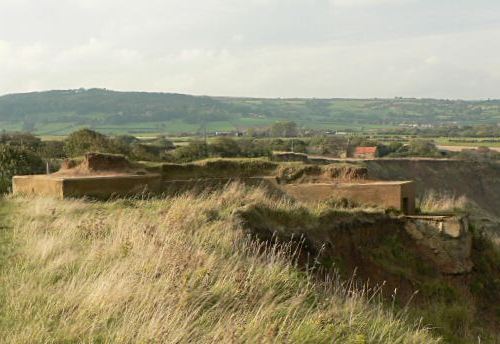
(98, 164)
(321, 174)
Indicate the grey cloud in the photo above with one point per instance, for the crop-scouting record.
(322, 48)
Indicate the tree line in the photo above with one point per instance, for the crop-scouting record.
(24, 153)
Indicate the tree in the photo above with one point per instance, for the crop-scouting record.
(144, 152)
(122, 144)
(85, 141)
(22, 140)
(17, 161)
(423, 148)
(164, 143)
(193, 151)
(284, 129)
(225, 147)
(51, 150)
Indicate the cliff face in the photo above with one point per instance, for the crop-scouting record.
(433, 263)
(480, 182)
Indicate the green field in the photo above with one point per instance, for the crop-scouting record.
(55, 113)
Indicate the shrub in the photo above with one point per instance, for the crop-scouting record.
(193, 151)
(225, 147)
(15, 161)
(84, 141)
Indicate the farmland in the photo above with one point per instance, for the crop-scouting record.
(56, 113)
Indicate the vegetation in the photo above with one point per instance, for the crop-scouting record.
(61, 112)
(453, 131)
(184, 269)
(16, 161)
(173, 270)
(434, 202)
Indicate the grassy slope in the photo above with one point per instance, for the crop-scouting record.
(61, 112)
(171, 270)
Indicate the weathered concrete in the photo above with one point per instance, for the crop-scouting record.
(397, 195)
(42, 185)
(447, 240)
(92, 186)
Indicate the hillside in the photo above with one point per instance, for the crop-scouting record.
(61, 112)
(204, 269)
(172, 270)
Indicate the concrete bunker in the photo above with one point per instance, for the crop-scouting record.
(444, 239)
(97, 175)
(398, 195)
(104, 175)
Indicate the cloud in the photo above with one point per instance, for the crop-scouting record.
(253, 47)
(368, 3)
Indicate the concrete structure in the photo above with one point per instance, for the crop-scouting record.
(103, 175)
(92, 186)
(399, 195)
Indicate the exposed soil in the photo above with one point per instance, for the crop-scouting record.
(97, 164)
(321, 173)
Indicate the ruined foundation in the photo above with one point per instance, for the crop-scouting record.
(396, 195)
(90, 186)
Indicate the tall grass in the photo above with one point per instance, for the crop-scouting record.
(439, 202)
(175, 270)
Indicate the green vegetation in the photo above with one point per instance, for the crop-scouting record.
(139, 113)
(16, 161)
(461, 309)
(173, 270)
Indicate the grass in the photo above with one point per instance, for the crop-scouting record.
(435, 202)
(173, 270)
(468, 141)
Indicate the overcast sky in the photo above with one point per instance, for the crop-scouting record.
(270, 48)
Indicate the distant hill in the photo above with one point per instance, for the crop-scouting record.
(60, 112)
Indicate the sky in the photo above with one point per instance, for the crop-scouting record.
(258, 48)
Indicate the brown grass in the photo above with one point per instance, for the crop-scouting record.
(435, 202)
(174, 270)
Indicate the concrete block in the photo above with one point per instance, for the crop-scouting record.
(92, 186)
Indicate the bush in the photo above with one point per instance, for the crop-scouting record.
(51, 150)
(225, 147)
(284, 129)
(16, 161)
(85, 141)
(193, 151)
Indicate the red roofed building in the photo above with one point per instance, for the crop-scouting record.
(365, 152)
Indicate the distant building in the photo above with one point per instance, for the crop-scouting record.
(365, 152)
(229, 133)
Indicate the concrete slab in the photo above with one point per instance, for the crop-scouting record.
(92, 186)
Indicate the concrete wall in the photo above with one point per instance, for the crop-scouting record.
(390, 195)
(216, 169)
(106, 186)
(94, 186)
(38, 185)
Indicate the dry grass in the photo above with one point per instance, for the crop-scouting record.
(438, 203)
(435, 202)
(175, 270)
